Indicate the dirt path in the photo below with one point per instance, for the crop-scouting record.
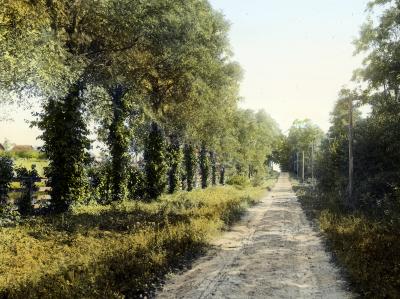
(272, 253)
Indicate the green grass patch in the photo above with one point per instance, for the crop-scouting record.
(115, 251)
(368, 249)
(27, 163)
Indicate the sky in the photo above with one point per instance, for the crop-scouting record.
(296, 56)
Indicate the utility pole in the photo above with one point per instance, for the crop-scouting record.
(297, 164)
(351, 158)
(312, 163)
(302, 172)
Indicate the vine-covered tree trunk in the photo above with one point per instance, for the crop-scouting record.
(118, 141)
(213, 168)
(155, 162)
(65, 144)
(190, 166)
(204, 166)
(175, 159)
(222, 175)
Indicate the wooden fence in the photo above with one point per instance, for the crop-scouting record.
(28, 186)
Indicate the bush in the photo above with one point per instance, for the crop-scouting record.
(136, 183)
(6, 176)
(257, 180)
(238, 180)
(100, 182)
(28, 179)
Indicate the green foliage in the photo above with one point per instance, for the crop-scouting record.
(30, 155)
(175, 158)
(100, 182)
(65, 144)
(155, 162)
(204, 166)
(256, 134)
(6, 176)
(118, 141)
(367, 247)
(213, 161)
(136, 183)
(222, 175)
(238, 180)
(190, 166)
(28, 179)
(114, 250)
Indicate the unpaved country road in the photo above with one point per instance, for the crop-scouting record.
(272, 253)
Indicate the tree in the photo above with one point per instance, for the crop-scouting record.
(204, 166)
(303, 138)
(155, 162)
(190, 166)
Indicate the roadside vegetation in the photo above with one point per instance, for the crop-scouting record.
(151, 84)
(355, 195)
(115, 250)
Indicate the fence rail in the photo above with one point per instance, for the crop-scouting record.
(31, 189)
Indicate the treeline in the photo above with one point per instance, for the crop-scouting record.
(154, 80)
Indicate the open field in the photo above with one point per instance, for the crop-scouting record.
(115, 250)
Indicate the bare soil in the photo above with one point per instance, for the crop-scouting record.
(273, 252)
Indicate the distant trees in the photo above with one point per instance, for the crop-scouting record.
(297, 152)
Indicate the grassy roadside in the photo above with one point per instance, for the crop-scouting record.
(368, 249)
(115, 251)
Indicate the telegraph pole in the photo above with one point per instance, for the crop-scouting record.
(351, 158)
(302, 172)
(297, 164)
(312, 163)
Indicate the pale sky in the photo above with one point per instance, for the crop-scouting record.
(296, 56)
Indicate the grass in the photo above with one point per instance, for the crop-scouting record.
(115, 251)
(368, 249)
(27, 163)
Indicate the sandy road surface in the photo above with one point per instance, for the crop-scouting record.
(272, 253)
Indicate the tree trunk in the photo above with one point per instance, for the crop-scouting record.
(155, 163)
(222, 175)
(175, 155)
(118, 141)
(213, 168)
(204, 167)
(190, 166)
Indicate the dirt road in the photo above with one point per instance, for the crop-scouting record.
(272, 253)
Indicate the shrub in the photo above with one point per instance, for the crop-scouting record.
(238, 180)
(257, 180)
(28, 179)
(6, 176)
(100, 181)
(136, 183)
